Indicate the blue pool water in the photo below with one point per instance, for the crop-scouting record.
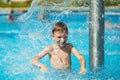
(21, 41)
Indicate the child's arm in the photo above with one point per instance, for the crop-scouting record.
(82, 60)
(35, 60)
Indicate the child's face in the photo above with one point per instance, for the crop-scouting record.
(60, 37)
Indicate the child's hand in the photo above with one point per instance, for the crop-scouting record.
(82, 71)
(43, 68)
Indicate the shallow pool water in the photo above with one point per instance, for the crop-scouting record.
(19, 43)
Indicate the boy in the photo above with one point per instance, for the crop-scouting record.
(59, 52)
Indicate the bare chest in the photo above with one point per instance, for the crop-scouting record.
(61, 53)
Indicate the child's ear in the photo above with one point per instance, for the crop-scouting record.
(52, 36)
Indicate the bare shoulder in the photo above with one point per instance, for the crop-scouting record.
(50, 47)
(69, 46)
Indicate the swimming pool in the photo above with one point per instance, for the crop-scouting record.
(19, 43)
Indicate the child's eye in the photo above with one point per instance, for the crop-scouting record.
(59, 36)
(65, 36)
(62, 36)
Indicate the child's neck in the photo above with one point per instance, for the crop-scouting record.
(62, 46)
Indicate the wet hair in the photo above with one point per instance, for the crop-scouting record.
(60, 26)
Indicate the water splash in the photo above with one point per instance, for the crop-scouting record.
(34, 27)
(44, 7)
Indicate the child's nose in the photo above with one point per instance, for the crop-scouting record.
(62, 39)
